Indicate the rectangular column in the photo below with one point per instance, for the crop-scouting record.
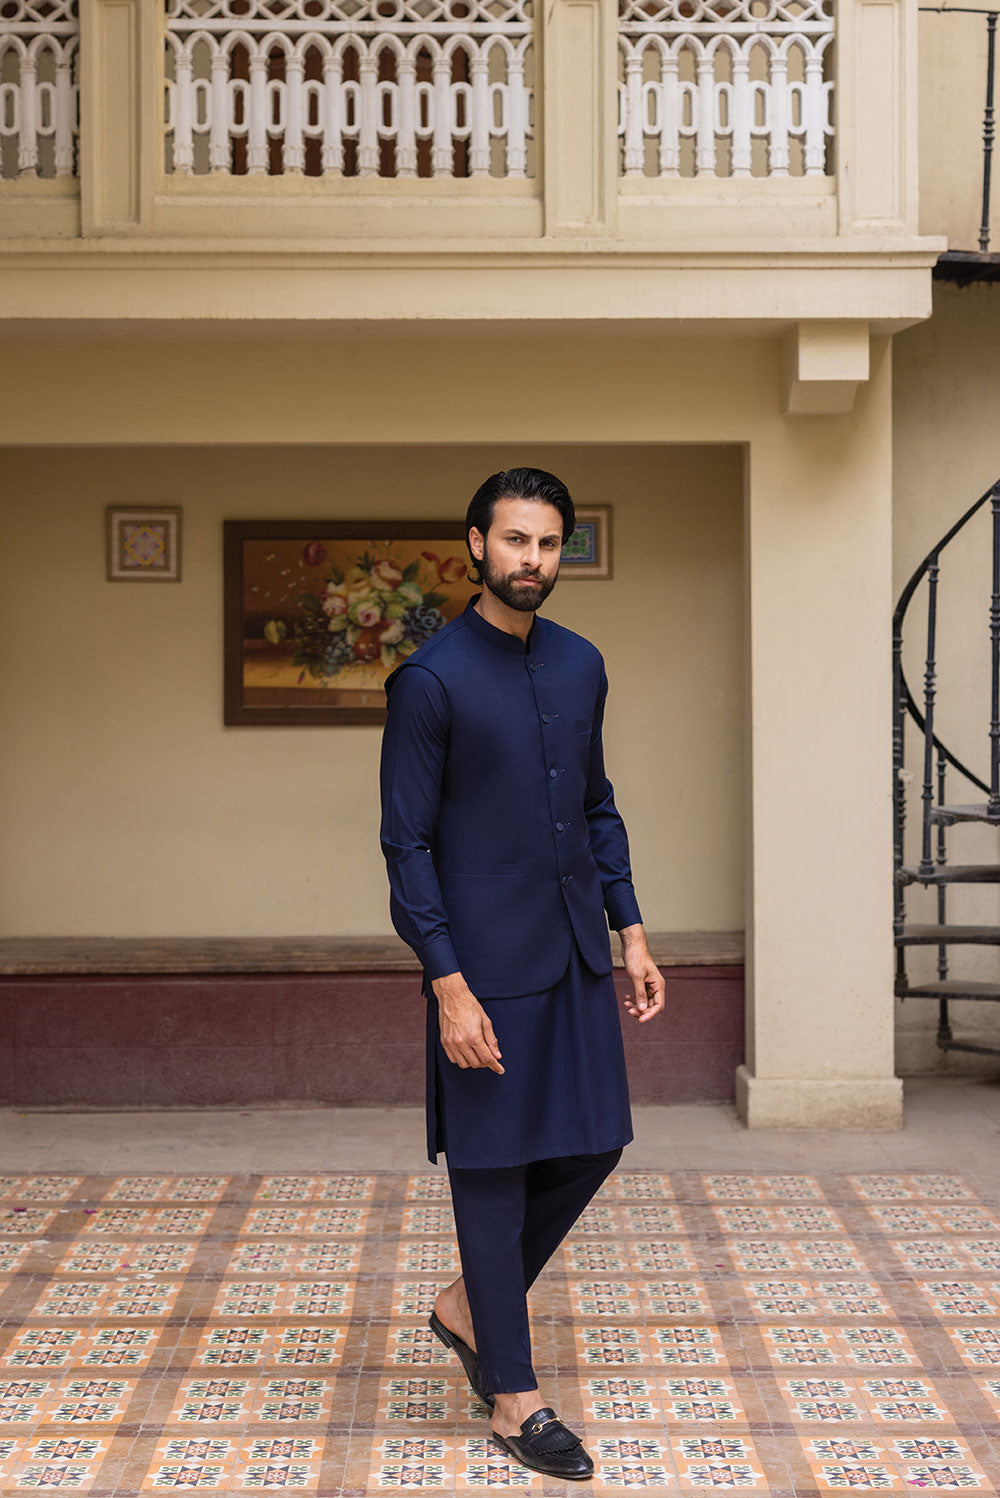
(579, 42)
(876, 142)
(121, 108)
(819, 886)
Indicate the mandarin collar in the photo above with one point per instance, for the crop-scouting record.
(494, 636)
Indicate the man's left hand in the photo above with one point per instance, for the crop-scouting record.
(648, 988)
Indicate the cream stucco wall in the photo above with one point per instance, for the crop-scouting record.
(811, 746)
(946, 454)
(129, 809)
(952, 97)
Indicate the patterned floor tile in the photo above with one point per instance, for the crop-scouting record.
(699, 1399)
(718, 1461)
(435, 1400)
(408, 1461)
(627, 1185)
(792, 1333)
(289, 1188)
(427, 1256)
(621, 1399)
(888, 1188)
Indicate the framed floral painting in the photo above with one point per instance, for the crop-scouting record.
(318, 613)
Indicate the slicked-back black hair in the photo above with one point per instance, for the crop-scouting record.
(517, 483)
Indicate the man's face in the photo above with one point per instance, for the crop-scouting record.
(519, 560)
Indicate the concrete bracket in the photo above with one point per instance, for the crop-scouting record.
(823, 363)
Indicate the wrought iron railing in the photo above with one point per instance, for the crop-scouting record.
(355, 88)
(937, 812)
(39, 46)
(725, 88)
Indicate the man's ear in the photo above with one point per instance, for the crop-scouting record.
(476, 542)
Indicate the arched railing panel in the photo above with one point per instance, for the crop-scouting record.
(39, 47)
(365, 88)
(735, 88)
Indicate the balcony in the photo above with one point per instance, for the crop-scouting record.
(706, 128)
(39, 109)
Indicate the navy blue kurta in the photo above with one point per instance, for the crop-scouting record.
(564, 1090)
(505, 854)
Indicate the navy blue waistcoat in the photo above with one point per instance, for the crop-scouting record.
(499, 827)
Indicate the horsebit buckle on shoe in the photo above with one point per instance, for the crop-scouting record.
(542, 1424)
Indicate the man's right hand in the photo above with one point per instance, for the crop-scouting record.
(466, 1032)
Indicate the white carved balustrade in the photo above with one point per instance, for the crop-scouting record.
(725, 88)
(359, 88)
(39, 47)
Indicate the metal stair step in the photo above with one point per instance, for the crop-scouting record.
(977, 812)
(954, 873)
(951, 988)
(916, 936)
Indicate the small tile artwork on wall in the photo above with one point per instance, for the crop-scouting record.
(587, 553)
(784, 1333)
(143, 545)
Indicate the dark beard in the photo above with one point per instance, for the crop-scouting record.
(525, 600)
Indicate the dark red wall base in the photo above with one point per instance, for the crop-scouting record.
(344, 1040)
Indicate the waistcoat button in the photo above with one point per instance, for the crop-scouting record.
(553, 774)
(546, 718)
(559, 826)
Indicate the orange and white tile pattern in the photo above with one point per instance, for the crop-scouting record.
(788, 1334)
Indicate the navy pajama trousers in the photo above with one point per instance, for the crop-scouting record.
(510, 1221)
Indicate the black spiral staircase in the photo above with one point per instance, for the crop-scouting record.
(937, 812)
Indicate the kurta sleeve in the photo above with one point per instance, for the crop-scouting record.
(414, 746)
(608, 838)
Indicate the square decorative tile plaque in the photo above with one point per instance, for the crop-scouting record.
(143, 545)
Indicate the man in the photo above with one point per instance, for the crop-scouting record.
(504, 851)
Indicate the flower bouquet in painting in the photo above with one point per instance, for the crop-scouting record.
(325, 618)
(376, 611)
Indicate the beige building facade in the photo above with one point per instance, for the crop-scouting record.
(304, 261)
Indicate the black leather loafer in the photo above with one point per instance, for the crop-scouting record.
(546, 1445)
(466, 1357)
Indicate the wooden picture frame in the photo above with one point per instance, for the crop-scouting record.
(378, 589)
